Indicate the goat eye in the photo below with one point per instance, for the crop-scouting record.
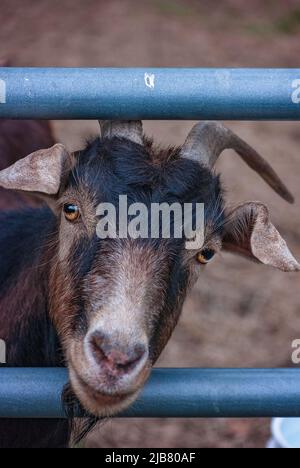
(205, 256)
(71, 211)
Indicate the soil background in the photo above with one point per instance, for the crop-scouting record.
(240, 314)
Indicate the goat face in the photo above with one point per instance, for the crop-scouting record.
(116, 301)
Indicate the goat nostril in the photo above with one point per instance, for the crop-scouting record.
(114, 358)
(131, 360)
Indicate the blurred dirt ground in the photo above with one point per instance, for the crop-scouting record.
(240, 314)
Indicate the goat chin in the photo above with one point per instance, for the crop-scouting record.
(99, 404)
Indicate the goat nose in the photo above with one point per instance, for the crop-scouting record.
(115, 359)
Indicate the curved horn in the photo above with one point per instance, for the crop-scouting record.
(130, 129)
(207, 140)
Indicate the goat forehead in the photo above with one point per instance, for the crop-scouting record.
(116, 167)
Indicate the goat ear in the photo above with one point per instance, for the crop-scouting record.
(250, 233)
(40, 172)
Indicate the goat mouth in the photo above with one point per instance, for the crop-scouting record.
(103, 397)
(100, 403)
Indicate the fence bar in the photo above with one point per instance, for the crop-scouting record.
(36, 393)
(152, 93)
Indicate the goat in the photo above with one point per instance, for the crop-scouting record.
(106, 308)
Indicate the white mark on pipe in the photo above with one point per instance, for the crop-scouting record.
(2, 352)
(2, 92)
(296, 92)
(150, 80)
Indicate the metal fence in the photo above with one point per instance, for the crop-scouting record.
(124, 93)
(36, 393)
(227, 94)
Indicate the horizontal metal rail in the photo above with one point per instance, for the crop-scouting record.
(150, 93)
(36, 393)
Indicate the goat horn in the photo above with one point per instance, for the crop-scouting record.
(207, 140)
(130, 129)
